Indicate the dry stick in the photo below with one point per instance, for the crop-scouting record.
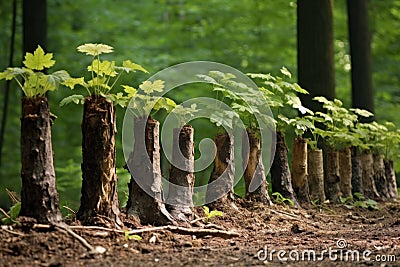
(12, 232)
(80, 239)
(4, 213)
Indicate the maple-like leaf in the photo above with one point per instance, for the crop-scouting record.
(102, 68)
(95, 49)
(129, 65)
(149, 87)
(71, 82)
(129, 90)
(39, 60)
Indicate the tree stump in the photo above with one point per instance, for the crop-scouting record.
(345, 172)
(254, 171)
(99, 199)
(299, 169)
(332, 175)
(368, 176)
(391, 179)
(280, 172)
(356, 172)
(315, 166)
(39, 197)
(380, 177)
(180, 199)
(219, 193)
(145, 187)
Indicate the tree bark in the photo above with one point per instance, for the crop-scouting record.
(345, 172)
(219, 193)
(360, 51)
(254, 171)
(380, 176)
(145, 187)
(315, 56)
(315, 166)
(34, 13)
(39, 197)
(180, 199)
(332, 175)
(391, 178)
(299, 169)
(368, 176)
(99, 199)
(280, 173)
(356, 172)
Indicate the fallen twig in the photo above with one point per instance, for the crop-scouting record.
(12, 232)
(5, 213)
(78, 237)
(96, 228)
(187, 231)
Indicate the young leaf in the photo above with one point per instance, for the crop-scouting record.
(149, 87)
(286, 72)
(133, 66)
(71, 82)
(95, 49)
(38, 60)
(77, 99)
(129, 90)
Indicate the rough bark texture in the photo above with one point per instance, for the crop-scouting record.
(360, 51)
(254, 171)
(391, 179)
(180, 199)
(315, 166)
(223, 174)
(332, 175)
(299, 169)
(99, 199)
(345, 172)
(368, 176)
(280, 173)
(356, 172)
(145, 188)
(39, 198)
(380, 176)
(315, 46)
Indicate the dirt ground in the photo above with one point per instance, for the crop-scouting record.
(336, 234)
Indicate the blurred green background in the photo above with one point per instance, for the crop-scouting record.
(252, 36)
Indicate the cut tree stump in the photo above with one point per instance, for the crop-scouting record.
(219, 193)
(315, 166)
(345, 172)
(332, 175)
(299, 169)
(145, 187)
(380, 177)
(369, 187)
(391, 179)
(280, 173)
(356, 172)
(254, 171)
(180, 199)
(39, 197)
(99, 199)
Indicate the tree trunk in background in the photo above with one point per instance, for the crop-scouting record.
(345, 172)
(332, 175)
(299, 169)
(34, 13)
(39, 197)
(391, 178)
(223, 174)
(315, 160)
(356, 172)
(368, 176)
(280, 173)
(360, 51)
(315, 51)
(254, 172)
(180, 199)
(380, 177)
(145, 187)
(99, 199)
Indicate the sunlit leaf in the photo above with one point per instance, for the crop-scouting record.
(39, 60)
(149, 87)
(95, 49)
(133, 66)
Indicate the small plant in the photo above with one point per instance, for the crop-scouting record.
(128, 236)
(32, 79)
(210, 214)
(282, 200)
(359, 202)
(12, 215)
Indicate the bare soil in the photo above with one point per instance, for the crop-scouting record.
(261, 230)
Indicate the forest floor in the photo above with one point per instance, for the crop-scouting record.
(335, 233)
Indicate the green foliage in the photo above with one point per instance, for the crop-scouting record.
(30, 79)
(359, 202)
(211, 214)
(13, 214)
(132, 237)
(278, 198)
(104, 73)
